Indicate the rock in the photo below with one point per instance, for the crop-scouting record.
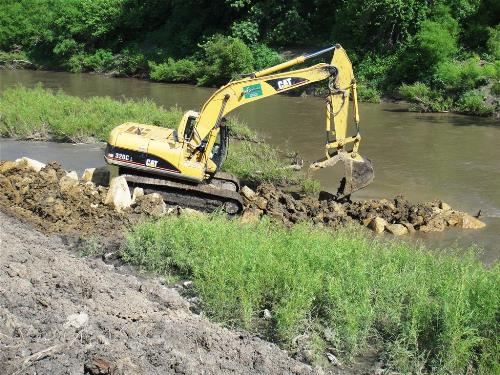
(152, 204)
(98, 366)
(410, 227)
(377, 224)
(72, 175)
(99, 176)
(469, 222)
(444, 206)
(188, 284)
(261, 202)
(266, 314)
(28, 163)
(397, 229)
(66, 183)
(138, 192)
(250, 215)
(87, 174)
(76, 320)
(7, 166)
(248, 193)
(118, 194)
(333, 359)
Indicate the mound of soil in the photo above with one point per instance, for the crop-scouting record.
(57, 202)
(63, 314)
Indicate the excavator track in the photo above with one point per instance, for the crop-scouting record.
(221, 191)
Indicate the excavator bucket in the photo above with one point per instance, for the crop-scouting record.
(358, 172)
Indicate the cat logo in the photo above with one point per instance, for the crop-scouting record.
(284, 83)
(151, 163)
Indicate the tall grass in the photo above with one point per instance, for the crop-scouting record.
(44, 114)
(427, 313)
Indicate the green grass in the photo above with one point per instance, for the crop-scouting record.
(426, 312)
(45, 114)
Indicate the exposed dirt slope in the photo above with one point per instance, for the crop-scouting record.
(63, 314)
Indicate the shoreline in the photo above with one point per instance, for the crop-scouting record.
(305, 92)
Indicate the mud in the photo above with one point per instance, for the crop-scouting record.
(64, 314)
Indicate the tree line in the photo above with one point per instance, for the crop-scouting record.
(438, 54)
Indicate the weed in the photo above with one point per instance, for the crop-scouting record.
(431, 312)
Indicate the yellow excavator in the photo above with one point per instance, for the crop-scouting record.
(184, 165)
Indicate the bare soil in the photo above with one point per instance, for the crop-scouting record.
(128, 325)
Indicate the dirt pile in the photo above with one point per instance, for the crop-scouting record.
(397, 216)
(56, 201)
(64, 314)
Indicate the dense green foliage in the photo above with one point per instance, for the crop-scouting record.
(425, 312)
(451, 46)
(46, 115)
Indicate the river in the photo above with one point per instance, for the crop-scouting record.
(422, 156)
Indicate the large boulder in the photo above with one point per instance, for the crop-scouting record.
(469, 222)
(150, 204)
(28, 163)
(377, 224)
(248, 193)
(72, 175)
(118, 194)
(99, 176)
(397, 229)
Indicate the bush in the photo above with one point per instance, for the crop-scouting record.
(264, 56)
(459, 76)
(310, 186)
(368, 93)
(423, 99)
(183, 70)
(473, 103)
(425, 312)
(100, 61)
(223, 58)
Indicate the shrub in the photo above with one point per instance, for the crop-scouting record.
(100, 61)
(264, 56)
(184, 70)
(223, 58)
(246, 31)
(368, 93)
(473, 103)
(423, 99)
(459, 76)
(426, 312)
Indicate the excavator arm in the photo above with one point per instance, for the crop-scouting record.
(271, 81)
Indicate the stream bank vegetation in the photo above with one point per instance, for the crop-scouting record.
(438, 55)
(42, 114)
(316, 291)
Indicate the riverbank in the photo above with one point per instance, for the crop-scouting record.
(417, 98)
(239, 272)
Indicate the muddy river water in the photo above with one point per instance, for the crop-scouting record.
(422, 156)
